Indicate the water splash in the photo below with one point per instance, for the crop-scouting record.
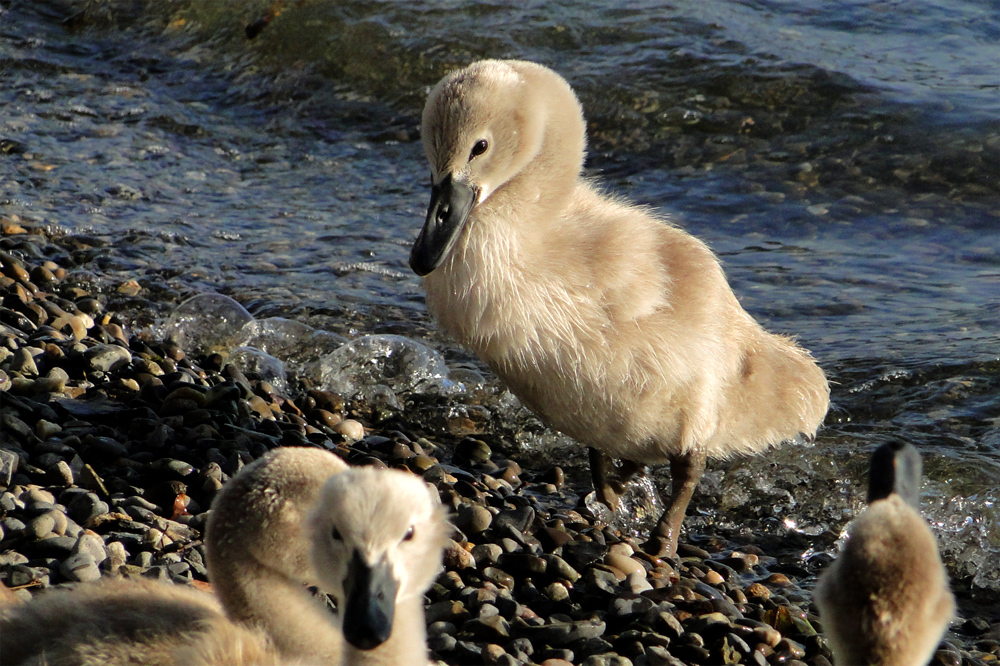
(251, 360)
(301, 346)
(640, 509)
(207, 323)
(401, 364)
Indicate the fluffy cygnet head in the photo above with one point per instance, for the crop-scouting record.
(485, 125)
(378, 540)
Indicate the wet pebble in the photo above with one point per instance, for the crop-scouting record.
(105, 358)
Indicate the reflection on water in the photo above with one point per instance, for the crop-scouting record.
(848, 179)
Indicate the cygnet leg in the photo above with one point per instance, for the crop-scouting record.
(685, 472)
(600, 473)
(610, 481)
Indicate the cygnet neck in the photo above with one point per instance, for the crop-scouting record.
(298, 622)
(545, 186)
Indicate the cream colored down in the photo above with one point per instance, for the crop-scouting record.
(258, 552)
(259, 566)
(615, 326)
(885, 600)
(387, 516)
(261, 549)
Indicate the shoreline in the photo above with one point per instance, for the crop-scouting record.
(116, 444)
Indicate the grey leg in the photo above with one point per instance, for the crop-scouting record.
(685, 472)
(609, 481)
(600, 471)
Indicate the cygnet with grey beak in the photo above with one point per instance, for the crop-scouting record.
(613, 325)
(885, 601)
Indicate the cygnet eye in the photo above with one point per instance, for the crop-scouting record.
(409, 534)
(335, 534)
(479, 148)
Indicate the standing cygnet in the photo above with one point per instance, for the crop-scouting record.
(258, 564)
(378, 538)
(885, 601)
(614, 326)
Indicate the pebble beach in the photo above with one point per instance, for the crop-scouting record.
(114, 445)
(203, 256)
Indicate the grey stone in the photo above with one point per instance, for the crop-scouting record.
(11, 557)
(24, 363)
(607, 659)
(80, 567)
(11, 425)
(105, 358)
(85, 507)
(53, 546)
(442, 643)
(12, 525)
(8, 466)
(520, 518)
(487, 553)
(624, 606)
(93, 545)
(48, 523)
(559, 634)
(491, 628)
(659, 656)
(19, 574)
(473, 518)
(560, 568)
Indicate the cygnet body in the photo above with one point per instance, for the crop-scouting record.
(885, 600)
(616, 327)
(378, 540)
(258, 564)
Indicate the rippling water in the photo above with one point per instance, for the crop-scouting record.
(841, 157)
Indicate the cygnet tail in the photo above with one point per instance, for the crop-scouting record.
(780, 394)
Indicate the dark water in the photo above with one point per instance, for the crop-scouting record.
(842, 158)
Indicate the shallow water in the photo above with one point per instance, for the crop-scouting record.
(842, 161)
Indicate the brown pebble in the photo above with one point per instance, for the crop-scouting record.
(767, 635)
(259, 405)
(492, 653)
(511, 473)
(757, 591)
(778, 579)
(555, 476)
(350, 429)
(115, 331)
(714, 577)
(473, 518)
(557, 591)
(11, 228)
(49, 385)
(457, 557)
(327, 418)
(422, 463)
(129, 288)
(45, 429)
(502, 578)
(624, 564)
(61, 474)
(42, 275)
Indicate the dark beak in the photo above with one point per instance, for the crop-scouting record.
(895, 468)
(371, 603)
(451, 203)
